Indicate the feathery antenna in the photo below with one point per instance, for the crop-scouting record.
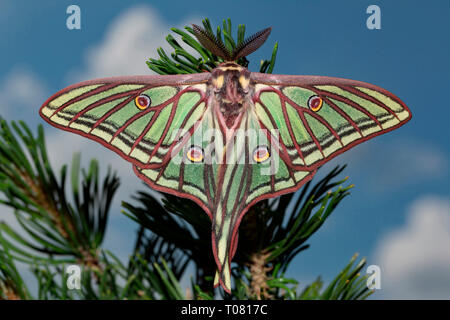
(251, 44)
(218, 48)
(210, 42)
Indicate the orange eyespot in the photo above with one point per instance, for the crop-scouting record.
(142, 101)
(315, 103)
(195, 154)
(261, 154)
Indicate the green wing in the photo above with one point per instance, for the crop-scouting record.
(321, 117)
(137, 117)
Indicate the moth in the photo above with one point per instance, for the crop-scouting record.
(228, 138)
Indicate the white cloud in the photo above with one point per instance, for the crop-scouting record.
(415, 259)
(21, 93)
(128, 43)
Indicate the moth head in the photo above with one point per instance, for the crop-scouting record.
(218, 48)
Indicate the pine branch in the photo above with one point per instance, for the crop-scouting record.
(349, 284)
(12, 286)
(58, 230)
(181, 224)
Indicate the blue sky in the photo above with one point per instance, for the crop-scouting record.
(398, 215)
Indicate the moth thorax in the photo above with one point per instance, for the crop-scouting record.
(231, 86)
